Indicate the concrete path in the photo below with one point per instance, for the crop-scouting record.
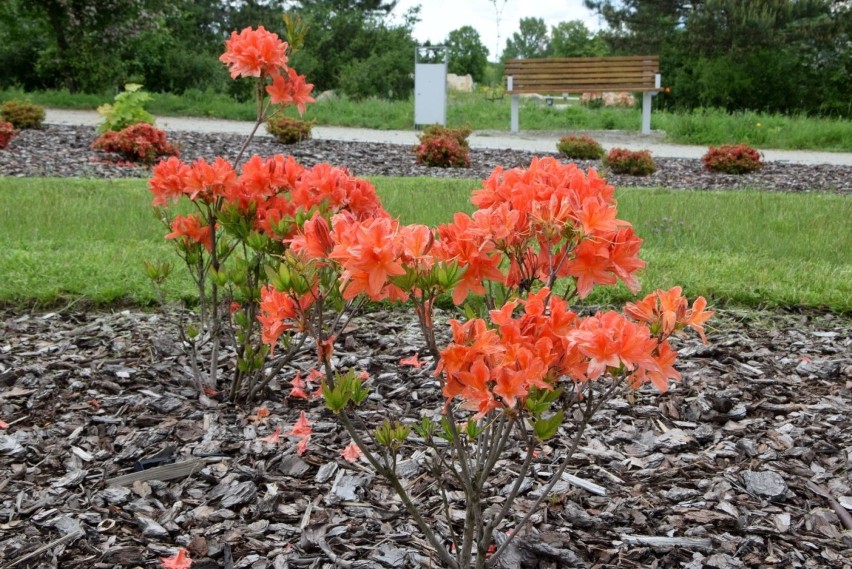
(531, 141)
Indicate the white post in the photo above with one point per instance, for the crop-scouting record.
(646, 113)
(513, 121)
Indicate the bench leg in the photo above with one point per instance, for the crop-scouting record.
(514, 120)
(646, 113)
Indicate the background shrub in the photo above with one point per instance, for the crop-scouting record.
(7, 131)
(288, 130)
(443, 147)
(127, 109)
(732, 159)
(141, 142)
(580, 147)
(633, 162)
(22, 114)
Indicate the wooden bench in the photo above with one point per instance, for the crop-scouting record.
(584, 75)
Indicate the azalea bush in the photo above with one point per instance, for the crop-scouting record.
(284, 256)
(127, 109)
(22, 114)
(142, 143)
(7, 132)
(732, 159)
(632, 162)
(443, 147)
(580, 147)
(287, 130)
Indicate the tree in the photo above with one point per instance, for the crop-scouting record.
(467, 53)
(530, 41)
(357, 51)
(574, 39)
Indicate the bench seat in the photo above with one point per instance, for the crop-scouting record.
(558, 75)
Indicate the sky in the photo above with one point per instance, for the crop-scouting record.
(440, 17)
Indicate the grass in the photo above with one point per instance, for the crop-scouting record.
(701, 126)
(87, 239)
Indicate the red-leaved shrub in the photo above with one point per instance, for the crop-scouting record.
(443, 147)
(7, 132)
(140, 142)
(732, 159)
(633, 162)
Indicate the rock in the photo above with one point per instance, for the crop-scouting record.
(460, 83)
(765, 483)
(150, 528)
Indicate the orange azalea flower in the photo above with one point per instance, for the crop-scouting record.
(510, 386)
(254, 53)
(597, 217)
(623, 257)
(290, 89)
(209, 180)
(302, 427)
(315, 238)
(697, 316)
(351, 453)
(180, 561)
(191, 229)
(412, 361)
(278, 310)
(168, 181)
(590, 267)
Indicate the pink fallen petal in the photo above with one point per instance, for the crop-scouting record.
(179, 561)
(412, 361)
(302, 447)
(302, 428)
(273, 438)
(351, 452)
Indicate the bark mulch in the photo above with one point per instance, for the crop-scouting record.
(744, 463)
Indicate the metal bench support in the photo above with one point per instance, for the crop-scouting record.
(513, 122)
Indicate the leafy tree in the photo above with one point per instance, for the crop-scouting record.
(574, 39)
(530, 41)
(357, 51)
(467, 53)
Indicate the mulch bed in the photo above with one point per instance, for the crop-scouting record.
(65, 151)
(744, 463)
(731, 463)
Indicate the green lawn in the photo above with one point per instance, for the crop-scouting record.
(64, 241)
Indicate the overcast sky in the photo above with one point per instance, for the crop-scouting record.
(440, 17)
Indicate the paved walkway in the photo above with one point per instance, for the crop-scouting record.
(532, 141)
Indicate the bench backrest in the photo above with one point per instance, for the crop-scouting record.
(583, 74)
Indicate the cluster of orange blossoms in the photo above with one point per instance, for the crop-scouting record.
(259, 53)
(533, 227)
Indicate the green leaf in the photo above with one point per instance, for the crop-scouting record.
(546, 428)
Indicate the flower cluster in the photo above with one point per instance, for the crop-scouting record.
(443, 147)
(632, 162)
(140, 142)
(261, 54)
(732, 159)
(497, 367)
(580, 147)
(7, 132)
